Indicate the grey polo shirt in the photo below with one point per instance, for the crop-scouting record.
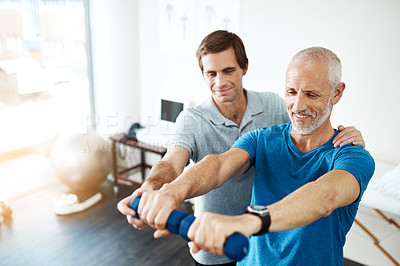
(203, 130)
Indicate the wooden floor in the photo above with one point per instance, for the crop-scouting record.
(98, 236)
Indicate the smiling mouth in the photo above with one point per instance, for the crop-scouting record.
(301, 116)
(222, 91)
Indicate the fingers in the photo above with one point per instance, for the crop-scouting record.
(348, 135)
(148, 212)
(161, 233)
(208, 232)
(136, 223)
(123, 207)
(194, 248)
(155, 208)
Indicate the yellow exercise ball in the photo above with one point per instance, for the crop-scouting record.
(81, 161)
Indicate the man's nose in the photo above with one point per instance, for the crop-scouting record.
(221, 80)
(299, 103)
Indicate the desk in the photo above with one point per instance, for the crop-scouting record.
(143, 147)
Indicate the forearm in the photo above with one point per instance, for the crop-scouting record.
(293, 211)
(314, 200)
(161, 173)
(156, 205)
(211, 172)
(299, 208)
(308, 203)
(197, 180)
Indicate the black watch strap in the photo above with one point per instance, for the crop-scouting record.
(265, 218)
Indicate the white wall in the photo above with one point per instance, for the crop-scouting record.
(164, 73)
(132, 72)
(365, 34)
(115, 52)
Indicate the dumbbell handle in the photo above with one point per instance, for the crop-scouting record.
(235, 247)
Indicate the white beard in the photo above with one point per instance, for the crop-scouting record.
(316, 123)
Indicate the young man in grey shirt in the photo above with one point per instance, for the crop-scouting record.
(213, 127)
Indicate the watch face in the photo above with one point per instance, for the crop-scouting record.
(263, 213)
(258, 207)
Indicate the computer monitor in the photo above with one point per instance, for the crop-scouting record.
(170, 110)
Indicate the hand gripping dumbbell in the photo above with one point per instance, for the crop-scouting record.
(178, 222)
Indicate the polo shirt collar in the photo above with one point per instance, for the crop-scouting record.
(254, 107)
(254, 103)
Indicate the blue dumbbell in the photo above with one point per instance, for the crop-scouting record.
(173, 221)
(235, 247)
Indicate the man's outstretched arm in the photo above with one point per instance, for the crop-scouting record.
(210, 173)
(310, 202)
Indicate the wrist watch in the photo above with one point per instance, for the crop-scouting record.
(263, 213)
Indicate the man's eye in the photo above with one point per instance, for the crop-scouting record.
(211, 75)
(311, 95)
(291, 92)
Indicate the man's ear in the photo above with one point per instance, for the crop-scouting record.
(245, 69)
(338, 92)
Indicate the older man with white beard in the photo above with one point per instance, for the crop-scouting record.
(305, 192)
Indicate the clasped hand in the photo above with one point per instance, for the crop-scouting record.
(209, 231)
(154, 209)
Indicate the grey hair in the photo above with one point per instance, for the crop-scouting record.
(312, 54)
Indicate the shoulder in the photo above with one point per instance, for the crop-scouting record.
(195, 119)
(192, 112)
(265, 96)
(355, 157)
(204, 109)
(354, 152)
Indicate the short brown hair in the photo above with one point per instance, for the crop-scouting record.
(219, 41)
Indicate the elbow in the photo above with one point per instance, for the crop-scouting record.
(334, 197)
(328, 200)
(331, 202)
(327, 209)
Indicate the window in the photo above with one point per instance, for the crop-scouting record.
(44, 83)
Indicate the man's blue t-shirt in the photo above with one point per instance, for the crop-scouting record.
(280, 169)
